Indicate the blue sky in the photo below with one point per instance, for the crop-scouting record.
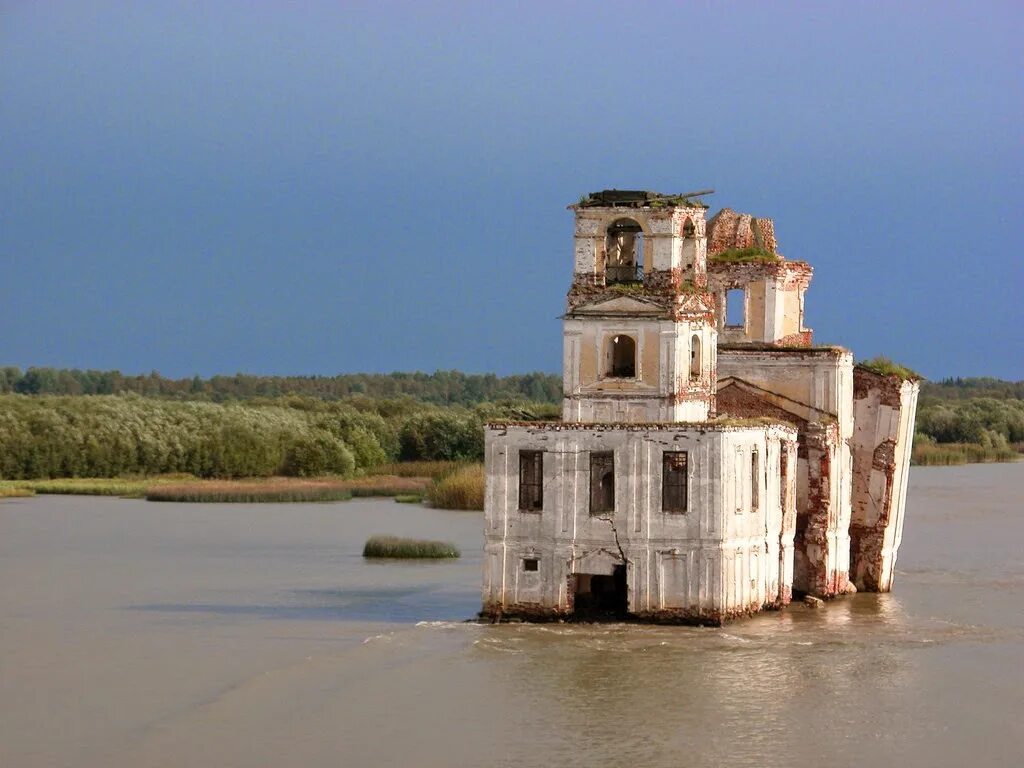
(315, 188)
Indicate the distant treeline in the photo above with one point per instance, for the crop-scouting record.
(968, 388)
(51, 436)
(968, 420)
(440, 387)
(246, 426)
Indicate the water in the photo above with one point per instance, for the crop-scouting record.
(139, 634)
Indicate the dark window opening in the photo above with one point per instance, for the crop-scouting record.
(735, 308)
(688, 228)
(674, 481)
(621, 356)
(695, 358)
(531, 481)
(755, 486)
(530, 563)
(602, 482)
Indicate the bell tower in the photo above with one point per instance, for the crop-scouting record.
(640, 338)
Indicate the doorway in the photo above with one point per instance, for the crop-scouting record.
(600, 597)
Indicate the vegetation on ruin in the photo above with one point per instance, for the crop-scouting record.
(749, 255)
(463, 489)
(399, 548)
(627, 288)
(677, 202)
(883, 366)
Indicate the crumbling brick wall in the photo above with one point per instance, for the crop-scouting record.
(884, 411)
(728, 229)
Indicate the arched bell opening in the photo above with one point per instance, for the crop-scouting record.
(624, 252)
(689, 244)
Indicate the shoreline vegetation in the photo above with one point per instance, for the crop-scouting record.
(412, 436)
(445, 485)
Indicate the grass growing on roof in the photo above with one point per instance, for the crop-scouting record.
(883, 366)
(749, 255)
(398, 548)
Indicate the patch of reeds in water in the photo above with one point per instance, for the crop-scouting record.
(430, 469)
(90, 486)
(14, 492)
(398, 548)
(387, 485)
(409, 498)
(463, 489)
(950, 454)
(277, 490)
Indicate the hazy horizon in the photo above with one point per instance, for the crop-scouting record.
(259, 188)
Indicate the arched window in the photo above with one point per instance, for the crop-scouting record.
(688, 228)
(624, 252)
(695, 357)
(621, 357)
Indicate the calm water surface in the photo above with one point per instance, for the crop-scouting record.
(141, 634)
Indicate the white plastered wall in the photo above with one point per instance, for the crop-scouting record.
(709, 561)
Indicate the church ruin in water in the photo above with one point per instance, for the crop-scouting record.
(711, 461)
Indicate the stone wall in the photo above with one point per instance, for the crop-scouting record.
(773, 300)
(815, 386)
(884, 412)
(728, 555)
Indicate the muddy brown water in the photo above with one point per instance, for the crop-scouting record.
(141, 634)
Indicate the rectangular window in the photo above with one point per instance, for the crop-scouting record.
(736, 308)
(738, 485)
(755, 486)
(531, 481)
(674, 480)
(530, 563)
(602, 482)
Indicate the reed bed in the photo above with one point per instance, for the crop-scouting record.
(273, 491)
(463, 489)
(950, 454)
(14, 492)
(90, 486)
(398, 548)
(433, 470)
(409, 498)
(387, 485)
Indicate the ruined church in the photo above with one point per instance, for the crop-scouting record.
(711, 461)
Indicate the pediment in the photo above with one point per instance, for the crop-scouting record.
(620, 305)
(697, 303)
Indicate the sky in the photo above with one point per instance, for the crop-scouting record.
(321, 188)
